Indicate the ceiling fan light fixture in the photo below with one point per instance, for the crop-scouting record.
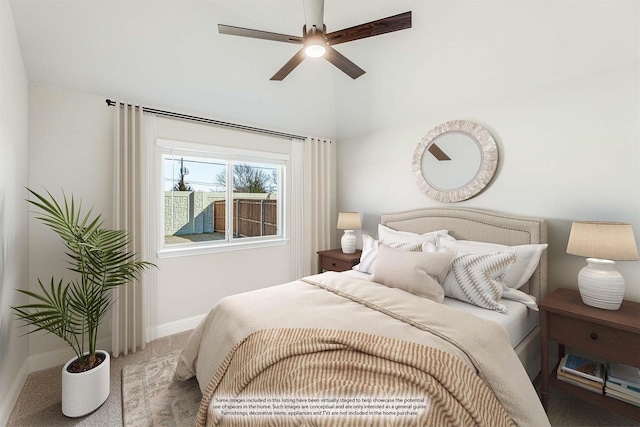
(317, 43)
(314, 46)
(315, 51)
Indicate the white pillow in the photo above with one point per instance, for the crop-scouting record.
(516, 295)
(477, 278)
(419, 273)
(507, 292)
(370, 252)
(389, 235)
(528, 256)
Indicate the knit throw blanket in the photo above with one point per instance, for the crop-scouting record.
(273, 378)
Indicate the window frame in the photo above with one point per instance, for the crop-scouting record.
(229, 156)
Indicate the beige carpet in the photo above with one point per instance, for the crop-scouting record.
(150, 396)
(39, 403)
(567, 410)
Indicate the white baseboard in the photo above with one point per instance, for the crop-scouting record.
(47, 360)
(12, 396)
(58, 357)
(175, 327)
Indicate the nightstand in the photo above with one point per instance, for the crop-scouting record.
(613, 335)
(336, 260)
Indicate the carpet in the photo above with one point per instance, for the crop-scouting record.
(151, 397)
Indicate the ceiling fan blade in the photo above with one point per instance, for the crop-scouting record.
(341, 61)
(257, 34)
(370, 29)
(314, 14)
(289, 66)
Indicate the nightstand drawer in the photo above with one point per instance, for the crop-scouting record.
(332, 264)
(605, 341)
(336, 260)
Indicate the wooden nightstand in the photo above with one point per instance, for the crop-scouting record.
(613, 335)
(336, 260)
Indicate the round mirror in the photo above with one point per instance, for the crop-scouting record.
(455, 161)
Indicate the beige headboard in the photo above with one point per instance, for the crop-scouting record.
(483, 226)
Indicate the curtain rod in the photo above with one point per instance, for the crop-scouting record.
(111, 103)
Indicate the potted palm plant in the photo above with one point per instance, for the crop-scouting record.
(73, 309)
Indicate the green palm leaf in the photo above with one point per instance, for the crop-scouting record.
(100, 258)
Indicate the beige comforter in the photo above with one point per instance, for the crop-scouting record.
(334, 301)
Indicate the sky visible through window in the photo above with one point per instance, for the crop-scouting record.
(200, 173)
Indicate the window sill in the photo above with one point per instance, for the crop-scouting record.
(191, 249)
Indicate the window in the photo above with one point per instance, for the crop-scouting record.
(216, 198)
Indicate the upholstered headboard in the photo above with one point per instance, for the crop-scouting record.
(480, 225)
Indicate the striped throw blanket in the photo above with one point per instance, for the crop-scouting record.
(325, 377)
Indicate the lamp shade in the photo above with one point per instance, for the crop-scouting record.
(349, 221)
(604, 240)
(603, 243)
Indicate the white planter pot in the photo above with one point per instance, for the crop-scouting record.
(84, 392)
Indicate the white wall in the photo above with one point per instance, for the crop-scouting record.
(557, 84)
(190, 286)
(169, 55)
(70, 149)
(70, 140)
(460, 52)
(568, 151)
(13, 210)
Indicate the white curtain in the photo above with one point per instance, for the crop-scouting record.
(133, 203)
(311, 203)
(297, 209)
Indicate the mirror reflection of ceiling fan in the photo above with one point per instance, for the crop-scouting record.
(316, 42)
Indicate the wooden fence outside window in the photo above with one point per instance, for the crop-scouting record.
(197, 212)
(250, 217)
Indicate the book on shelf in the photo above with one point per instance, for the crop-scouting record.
(578, 380)
(583, 367)
(622, 382)
(625, 397)
(623, 388)
(621, 373)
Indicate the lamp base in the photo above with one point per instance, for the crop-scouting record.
(348, 242)
(600, 284)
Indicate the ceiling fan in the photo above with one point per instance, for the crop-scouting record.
(316, 42)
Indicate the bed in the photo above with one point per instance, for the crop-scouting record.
(342, 349)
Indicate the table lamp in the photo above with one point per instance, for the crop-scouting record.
(348, 221)
(603, 243)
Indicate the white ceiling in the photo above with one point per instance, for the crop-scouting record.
(168, 54)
